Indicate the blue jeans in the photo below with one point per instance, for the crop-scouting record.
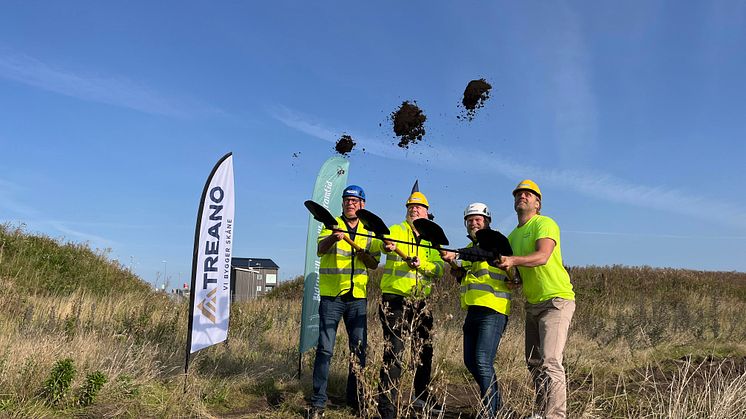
(483, 329)
(331, 311)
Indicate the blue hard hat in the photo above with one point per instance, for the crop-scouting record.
(354, 190)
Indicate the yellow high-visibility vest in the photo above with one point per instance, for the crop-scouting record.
(484, 285)
(398, 278)
(340, 270)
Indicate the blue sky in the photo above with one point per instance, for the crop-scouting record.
(629, 115)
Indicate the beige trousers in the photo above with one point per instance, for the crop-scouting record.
(547, 324)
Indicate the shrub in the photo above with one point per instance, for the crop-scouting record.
(93, 384)
(57, 385)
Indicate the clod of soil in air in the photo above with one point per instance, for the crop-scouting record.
(344, 145)
(408, 124)
(477, 92)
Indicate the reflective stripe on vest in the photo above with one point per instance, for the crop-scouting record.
(403, 274)
(493, 275)
(485, 287)
(339, 270)
(342, 252)
(346, 271)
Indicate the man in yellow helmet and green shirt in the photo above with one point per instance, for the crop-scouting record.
(343, 281)
(405, 284)
(537, 253)
(485, 294)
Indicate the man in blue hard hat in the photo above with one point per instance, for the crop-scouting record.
(343, 281)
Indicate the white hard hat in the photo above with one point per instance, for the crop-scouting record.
(478, 208)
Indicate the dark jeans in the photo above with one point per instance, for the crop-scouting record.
(400, 315)
(483, 329)
(331, 310)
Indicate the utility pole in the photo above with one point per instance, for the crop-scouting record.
(165, 275)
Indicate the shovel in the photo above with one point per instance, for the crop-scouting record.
(432, 232)
(496, 242)
(326, 218)
(323, 216)
(374, 223)
(487, 239)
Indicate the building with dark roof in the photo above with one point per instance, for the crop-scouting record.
(252, 277)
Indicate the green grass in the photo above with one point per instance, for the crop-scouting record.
(644, 342)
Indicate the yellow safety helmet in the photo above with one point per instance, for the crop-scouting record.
(528, 185)
(418, 198)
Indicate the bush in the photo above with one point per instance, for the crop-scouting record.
(59, 381)
(93, 384)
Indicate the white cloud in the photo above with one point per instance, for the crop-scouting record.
(92, 239)
(117, 91)
(572, 95)
(651, 235)
(598, 185)
(9, 202)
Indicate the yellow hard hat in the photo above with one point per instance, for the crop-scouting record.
(419, 199)
(528, 185)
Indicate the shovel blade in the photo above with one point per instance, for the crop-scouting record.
(495, 241)
(372, 222)
(321, 214)
(431, 231)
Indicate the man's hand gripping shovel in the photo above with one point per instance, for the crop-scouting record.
(374, 223)
(496, 242)
(429, 230)
(326, 218)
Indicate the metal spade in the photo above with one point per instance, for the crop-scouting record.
(496, 242)
(326, 218)
(374, 223)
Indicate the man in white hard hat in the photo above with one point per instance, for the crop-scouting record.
(485, 294)
(537, 253)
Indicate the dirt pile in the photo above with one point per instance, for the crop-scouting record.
(344, 145)
(409, 123)
(477, 92)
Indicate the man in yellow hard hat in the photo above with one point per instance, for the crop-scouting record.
(405, 284)
(537, 253)
(343, 282)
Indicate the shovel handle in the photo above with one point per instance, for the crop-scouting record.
(508, 272)
(353, 244)
(398, 251)
(401, 253)
(450, 262)
(348, 239)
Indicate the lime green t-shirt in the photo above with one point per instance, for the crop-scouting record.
(544, 282)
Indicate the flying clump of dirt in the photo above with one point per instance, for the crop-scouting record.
(408, 123)
(344, 145)
(477, 92)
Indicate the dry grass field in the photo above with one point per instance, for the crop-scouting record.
(81, 336)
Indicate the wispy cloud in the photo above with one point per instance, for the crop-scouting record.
(14, 211)
(572, 94)
(9, 202)
(111, 90)
(594, 184)
(652, 235)
(94, 240)
(308, 124)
